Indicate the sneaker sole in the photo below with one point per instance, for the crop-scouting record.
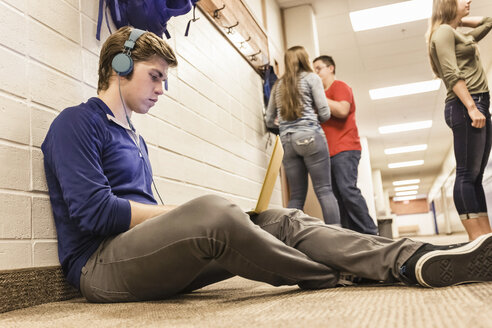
(469, 263)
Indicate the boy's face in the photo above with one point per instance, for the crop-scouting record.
(141, 92)
(322, 70)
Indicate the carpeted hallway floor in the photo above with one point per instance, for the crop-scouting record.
(242, 303)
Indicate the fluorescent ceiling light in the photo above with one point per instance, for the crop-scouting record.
(405, 127)
(406, 193)
(402, 198)
(405, 182)
(407, 149)
(398, 13)
(414, 187)
(405, 89)
(405, 164)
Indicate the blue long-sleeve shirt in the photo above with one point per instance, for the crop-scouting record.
(93, 167)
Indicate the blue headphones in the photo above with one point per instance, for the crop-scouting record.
(123, 63)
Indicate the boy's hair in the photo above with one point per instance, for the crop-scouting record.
(147, 46)
(328, 60)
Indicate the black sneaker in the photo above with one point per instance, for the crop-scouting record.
(471, 262)
(407, 270)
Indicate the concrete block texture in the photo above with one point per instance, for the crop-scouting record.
(50, 88)
(15, 169)
(90, 65)
(15, 22)
(15, 221)
(15, 254)
(45, 253)
(41, 119)
(43, 225)
(50, 48)
(73, 3)
(20, 5)
(58, 15)
(15, 116)
(13, 73)
(38, 175)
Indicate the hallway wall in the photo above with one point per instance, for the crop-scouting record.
(205, 135)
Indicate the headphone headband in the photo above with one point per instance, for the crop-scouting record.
(132, 39)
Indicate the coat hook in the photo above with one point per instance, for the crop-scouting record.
(217, 11)
(253, 56)
(229, 28)
(241, 44)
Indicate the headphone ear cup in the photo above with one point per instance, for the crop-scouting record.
(122, 64)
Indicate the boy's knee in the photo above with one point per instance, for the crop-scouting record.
(212, 204)
(218, 212)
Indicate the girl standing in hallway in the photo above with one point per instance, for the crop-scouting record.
(455, 58)
(299, 102)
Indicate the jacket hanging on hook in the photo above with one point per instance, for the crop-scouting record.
(150, 15)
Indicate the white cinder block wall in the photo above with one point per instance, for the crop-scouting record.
(206, 135)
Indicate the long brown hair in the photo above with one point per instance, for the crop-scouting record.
(296, 61)
(443, 12)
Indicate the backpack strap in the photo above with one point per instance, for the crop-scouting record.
(99, 20)
(100, 17)
(191, 20)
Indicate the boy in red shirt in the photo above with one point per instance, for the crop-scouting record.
(344, 145)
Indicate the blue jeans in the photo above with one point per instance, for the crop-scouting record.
(353, 208)
(471, 150)
(307, 152)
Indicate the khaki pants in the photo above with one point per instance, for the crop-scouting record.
(209, 239)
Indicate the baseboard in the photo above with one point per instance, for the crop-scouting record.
(32, 286)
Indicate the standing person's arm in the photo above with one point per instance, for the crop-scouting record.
(319, 98)
(445, 49)
(339, 109)
(481, 25)
(460, 89)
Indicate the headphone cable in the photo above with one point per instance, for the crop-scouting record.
(137, 143)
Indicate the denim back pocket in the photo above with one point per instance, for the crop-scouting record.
(305, 141)
(448, 111)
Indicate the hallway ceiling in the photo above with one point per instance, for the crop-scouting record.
(385, 57)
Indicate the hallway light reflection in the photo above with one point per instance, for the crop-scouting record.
(398, 13)
(405, 182)
(406, 193)
(406, 149)
(404, 188)
(405, 127)
(405, 89)
(405, 164)
(402, 198)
